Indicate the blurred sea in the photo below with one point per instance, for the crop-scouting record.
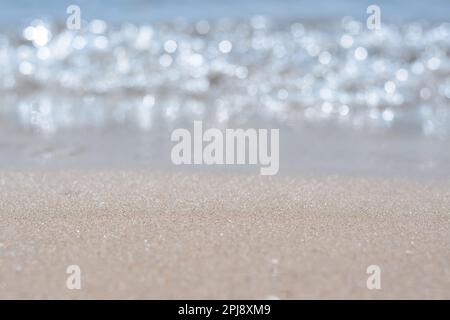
(347, 99)
(17, 12)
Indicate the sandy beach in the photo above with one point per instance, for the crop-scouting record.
(143, 234)
(133, 136)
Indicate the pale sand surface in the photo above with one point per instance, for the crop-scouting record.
(138, 234)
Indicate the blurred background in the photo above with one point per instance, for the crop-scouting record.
(347, 100)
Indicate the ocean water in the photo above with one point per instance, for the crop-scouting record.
(147, 11)
(348, 99)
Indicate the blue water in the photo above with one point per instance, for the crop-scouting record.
(146, 11)
(379, 104)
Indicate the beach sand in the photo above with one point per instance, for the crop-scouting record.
(143, 234)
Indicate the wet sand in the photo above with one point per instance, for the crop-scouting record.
(143, 234)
